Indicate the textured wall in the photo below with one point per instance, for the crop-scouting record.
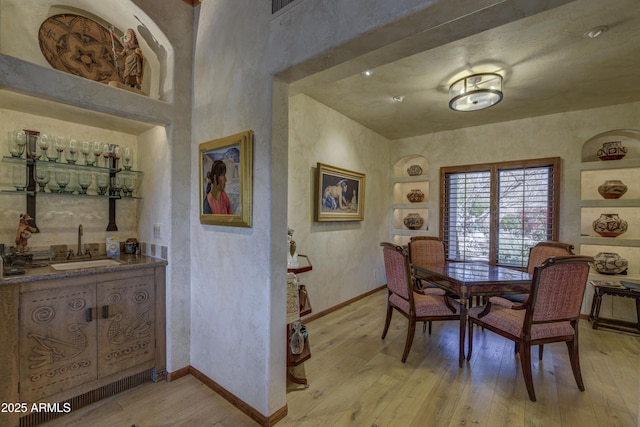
(346, 256)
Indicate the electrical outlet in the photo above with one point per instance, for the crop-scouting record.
(156, 231)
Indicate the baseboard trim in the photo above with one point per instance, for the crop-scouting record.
(183, 372)
(237, 402)
(320, 314)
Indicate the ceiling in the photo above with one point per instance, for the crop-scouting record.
(548, 65)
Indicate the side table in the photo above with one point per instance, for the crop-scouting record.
(620, 325)
(294, 360)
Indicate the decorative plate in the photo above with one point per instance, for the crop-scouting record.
(80, 46)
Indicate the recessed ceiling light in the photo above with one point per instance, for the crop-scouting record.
(367, 73)
(596, 32)
(398, 98)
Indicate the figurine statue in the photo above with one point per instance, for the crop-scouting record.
(133, 60)
(24, 233)
(292, 256)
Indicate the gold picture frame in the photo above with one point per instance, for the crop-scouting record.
(229, 158)
(339, 194)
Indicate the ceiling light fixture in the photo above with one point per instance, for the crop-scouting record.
(596, 32)
(367, 73)
(398, 98)
(475, 92)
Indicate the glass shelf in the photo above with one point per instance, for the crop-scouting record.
(70, 166)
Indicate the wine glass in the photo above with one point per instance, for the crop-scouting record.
(15, 149)
(128, 158)
(116, 186)
(62, 179)
(127, 186)
(21, 140)
(102, 182)
(42, 178)
(72, 151)
(106, 154)
(43, 143)
(84, 181)
(19, 178)
(97, 150)
(116, 154)
(86, 150)
(59, 146)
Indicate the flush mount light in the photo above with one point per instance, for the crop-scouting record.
(398, 98)
(367, 73)
(596, 32)
(475, 92)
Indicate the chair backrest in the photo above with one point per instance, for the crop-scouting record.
(550, 302)
(397, 268)
(544, 250)
(426, 249)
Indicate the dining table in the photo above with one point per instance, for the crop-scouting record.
(472, 279)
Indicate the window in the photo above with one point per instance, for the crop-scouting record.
(496, 212)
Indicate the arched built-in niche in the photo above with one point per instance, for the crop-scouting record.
(410, 173)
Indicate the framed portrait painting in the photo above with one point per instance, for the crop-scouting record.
(226, 178)
(339, 195)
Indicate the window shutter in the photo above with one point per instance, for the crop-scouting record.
(466, 215)
(525, 212)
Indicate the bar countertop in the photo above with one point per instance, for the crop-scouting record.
(126, 262)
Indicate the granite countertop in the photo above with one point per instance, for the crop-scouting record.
(127, 262)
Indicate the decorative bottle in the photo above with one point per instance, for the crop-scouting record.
(296, 339)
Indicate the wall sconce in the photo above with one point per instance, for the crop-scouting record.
(475, 92)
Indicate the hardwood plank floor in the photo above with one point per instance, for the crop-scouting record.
(357, 379)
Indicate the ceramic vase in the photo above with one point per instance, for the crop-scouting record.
(415, 196)
(610, 225)
(413, 221)
(610, 263)
(613, 150)
(414, 170)
(612, 189)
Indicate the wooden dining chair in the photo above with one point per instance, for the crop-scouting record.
(425, 249)
(550, 313)
(430, 305)
(539, 254)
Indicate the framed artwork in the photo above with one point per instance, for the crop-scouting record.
(226, 178)
(340, 194)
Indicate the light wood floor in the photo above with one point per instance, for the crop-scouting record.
(357, 379)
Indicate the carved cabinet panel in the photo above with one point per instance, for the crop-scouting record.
(126, 333)
(58, 340)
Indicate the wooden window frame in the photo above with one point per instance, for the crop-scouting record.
(494, 168)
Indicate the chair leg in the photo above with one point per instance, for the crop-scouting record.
(575, 362)
(424, 327)
(411, 329)
(388, 321)
(525, 362)
(516, 348)
(430, 324)
(470, 341)
(540, 351)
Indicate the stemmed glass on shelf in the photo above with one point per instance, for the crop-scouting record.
(42, 178)
(97, 150)
(127, 158)
(86, 150)
(84, 181)
(106, 154)
(102, 182)
(59, 146)
(72, 151)
(62, 179)
(43, 143)
(19, 178)
(17, 141)
(116, 186)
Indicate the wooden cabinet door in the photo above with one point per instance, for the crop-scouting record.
(126, 325)
(57, 340)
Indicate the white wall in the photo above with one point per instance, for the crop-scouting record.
(346, 256)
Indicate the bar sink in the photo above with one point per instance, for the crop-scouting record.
(85, 264)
